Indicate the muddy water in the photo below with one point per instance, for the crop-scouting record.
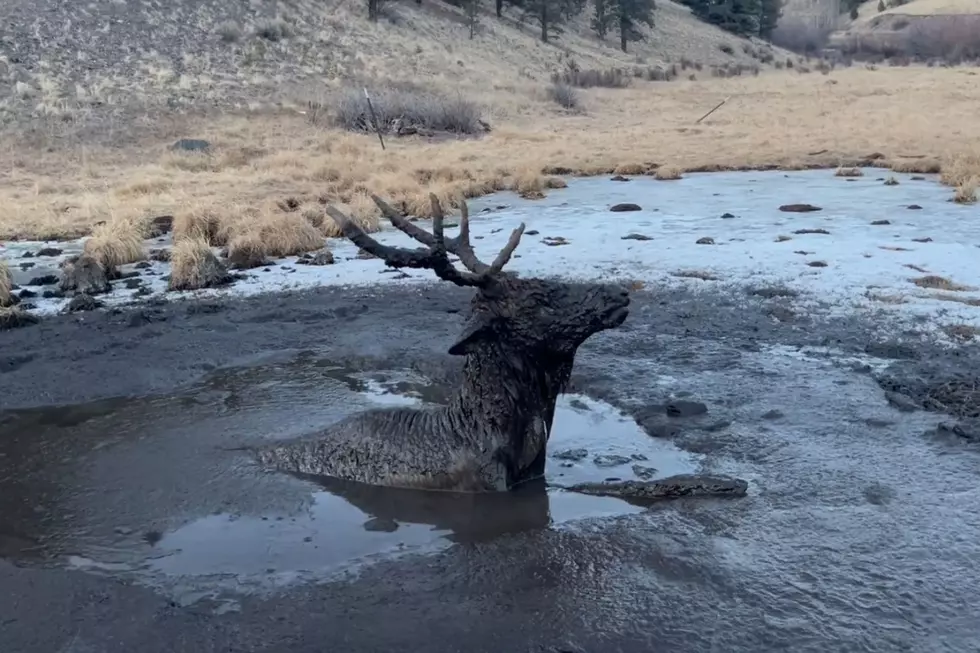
(859, 526)
(259, 529)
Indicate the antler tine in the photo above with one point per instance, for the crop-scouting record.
(504, 256)
(401, 223)
(461, 247)
(396, 257)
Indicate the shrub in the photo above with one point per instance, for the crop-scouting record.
(272, 30)
(194, 266)
(591, 78)
(116, 243)
(409, 107)
(228, 31)
(800, 35)
(564, 96)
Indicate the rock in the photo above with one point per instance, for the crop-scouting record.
(160, 225)
(16, 318)
(610, 460)
(922, 240)
(52, 294)
(812, 231)
(49, 251)
(644, 473)
(27, 255)
(133, 284)
(82, 302)
(684, 408)
(782, 239)
(26, 266)
(635, 236)
(26, 294)
(968, 429)
(626, 206)
(381, 525)
(705, 241)
(773, 414)
(554, 241)
(321, 257)
(160, 255)
(902, 402)
(879, 223)
(619, 178)
(681, 485)
(45, 280)
(571, 454)
(191, 145)
(914, 207)
(799, 208)
(143, 265)
(817, 264)
(531, 232)
(84, 275)
(727, 216)
(918, 178)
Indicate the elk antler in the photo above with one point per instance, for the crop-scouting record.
(436, 257)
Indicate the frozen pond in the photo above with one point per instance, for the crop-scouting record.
(862, 249)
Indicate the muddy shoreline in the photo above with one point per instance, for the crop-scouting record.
(622, 583)
(161, 346)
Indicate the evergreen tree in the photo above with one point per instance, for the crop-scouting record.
(603, 17)
(630, 14)
(771, 12)
(550, 14)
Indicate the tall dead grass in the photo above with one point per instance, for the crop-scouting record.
(780, 120)
(194, 266)
(116, 243)
(6, 282)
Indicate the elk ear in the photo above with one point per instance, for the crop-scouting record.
(478, 327)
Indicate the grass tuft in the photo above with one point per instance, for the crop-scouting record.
(116, 242)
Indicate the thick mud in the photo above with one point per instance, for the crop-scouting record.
(133, 517)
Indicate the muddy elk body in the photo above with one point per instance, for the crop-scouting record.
(519, 343)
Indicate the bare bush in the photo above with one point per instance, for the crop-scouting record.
(408, 107)
(272, 30)
(592, 78)
(565, 96)
(800, 35)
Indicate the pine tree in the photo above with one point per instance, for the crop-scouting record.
(603, 17)
(771, 12)
(550, 14)
(630, 14)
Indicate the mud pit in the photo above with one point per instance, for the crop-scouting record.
(140, 523)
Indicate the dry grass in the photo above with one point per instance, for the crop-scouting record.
(937, 282)
(116, 243)
(778, 119)
(5, 284)
(193, 265)
(668, 173)
(959, 299)
(966, 193)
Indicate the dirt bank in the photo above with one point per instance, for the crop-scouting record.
(829, 545)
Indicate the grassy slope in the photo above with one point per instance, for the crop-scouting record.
(166, 57)
(89, 59)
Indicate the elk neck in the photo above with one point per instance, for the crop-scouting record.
(508, 394)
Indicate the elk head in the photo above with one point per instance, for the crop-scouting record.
(549, 318)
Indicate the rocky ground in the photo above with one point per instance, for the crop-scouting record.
(858, 508)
